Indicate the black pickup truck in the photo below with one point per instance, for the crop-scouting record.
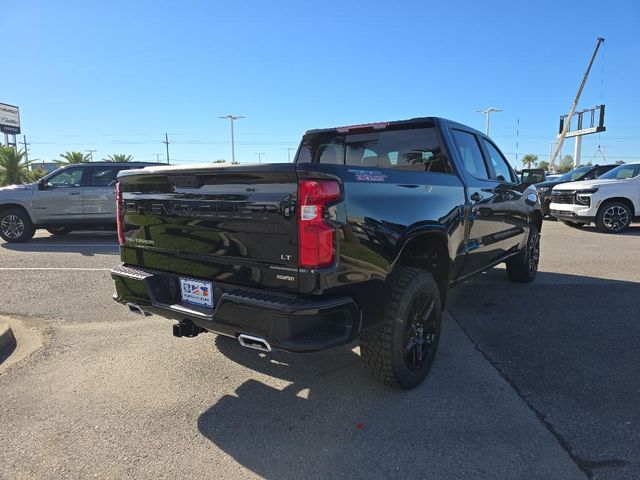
(360, 238)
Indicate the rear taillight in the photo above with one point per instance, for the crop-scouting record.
(316, 238)
(119, 214)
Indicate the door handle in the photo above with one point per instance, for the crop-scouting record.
(476, 197)
(74, 193)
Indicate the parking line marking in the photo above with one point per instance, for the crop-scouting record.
(81, 269)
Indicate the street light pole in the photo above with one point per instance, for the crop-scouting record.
(233, 147)
(288, 149)
(488, 112)
(91, 152)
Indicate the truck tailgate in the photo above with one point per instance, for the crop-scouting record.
(233, 224)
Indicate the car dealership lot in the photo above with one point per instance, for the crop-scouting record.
(531, 381)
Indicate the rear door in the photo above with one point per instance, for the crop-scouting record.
(99, 193)
(59, 198)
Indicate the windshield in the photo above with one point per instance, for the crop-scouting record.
(622, 172)
(574, 175)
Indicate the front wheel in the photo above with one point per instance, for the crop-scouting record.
(16, 226)
(59, 230)
(613, 217)
(524, 266)
(400, 352)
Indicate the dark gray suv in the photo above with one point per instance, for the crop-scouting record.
(78, 196)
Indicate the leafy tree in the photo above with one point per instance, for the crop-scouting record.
(74, 157)
(119, 157)
(543, 164)
(13, 170)
(220, 160)
(566, 164)
(529, 159)
(619, 162)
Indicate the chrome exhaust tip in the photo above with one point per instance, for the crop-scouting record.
(256, 343)
(135, 308)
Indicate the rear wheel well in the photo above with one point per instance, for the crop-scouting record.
(624, 200)
(429, 252)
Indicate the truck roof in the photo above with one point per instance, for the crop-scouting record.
(390, 124)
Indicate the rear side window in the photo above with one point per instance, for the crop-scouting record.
(104, 176)
(413, 149)
(471, 154)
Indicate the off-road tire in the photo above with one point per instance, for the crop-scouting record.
(606, 223)
(16, 226)
(523, 267)
(384, 349)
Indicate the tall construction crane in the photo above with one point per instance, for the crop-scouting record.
(565, 127)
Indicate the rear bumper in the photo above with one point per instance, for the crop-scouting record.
(286, 321)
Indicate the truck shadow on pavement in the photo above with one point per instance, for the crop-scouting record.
(566, 354)
(84, 243)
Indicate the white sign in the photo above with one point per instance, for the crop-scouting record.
(584, 131)
(9, 119)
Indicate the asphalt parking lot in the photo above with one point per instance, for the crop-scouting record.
(531, 381)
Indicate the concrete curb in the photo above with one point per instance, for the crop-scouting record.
(7, 341)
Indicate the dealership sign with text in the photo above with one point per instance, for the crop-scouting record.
(9, 119)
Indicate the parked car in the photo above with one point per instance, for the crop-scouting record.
(612, 200)
(587, 172)
(79, 196)
(360, 238)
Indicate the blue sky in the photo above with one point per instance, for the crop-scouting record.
(115, 76)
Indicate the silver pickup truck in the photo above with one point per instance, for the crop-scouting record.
(75, 197)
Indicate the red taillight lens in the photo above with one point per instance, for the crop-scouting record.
(316, 238)
(119, 214)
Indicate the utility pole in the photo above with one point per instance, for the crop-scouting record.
(233, 148)
(157, 157)
(488, 112)
(166, 142)
(288, 149)
(259, 156)
(565, 127)
(26, 149)
(91, 154)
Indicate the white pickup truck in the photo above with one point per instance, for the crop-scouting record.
(612, 200)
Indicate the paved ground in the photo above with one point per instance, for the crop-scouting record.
(536, 381)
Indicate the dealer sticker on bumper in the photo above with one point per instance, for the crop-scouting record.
(196, 292)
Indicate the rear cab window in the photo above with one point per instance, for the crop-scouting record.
(414, 149)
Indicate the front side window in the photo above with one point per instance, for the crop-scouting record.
(69, 177)
(470, 154)
(499, 163)
(104, 176)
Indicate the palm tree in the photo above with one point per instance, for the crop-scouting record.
(74, 157)
(529, 159)
(119, 157)
(12, 169)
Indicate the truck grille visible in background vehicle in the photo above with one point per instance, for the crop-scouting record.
(563, 197)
